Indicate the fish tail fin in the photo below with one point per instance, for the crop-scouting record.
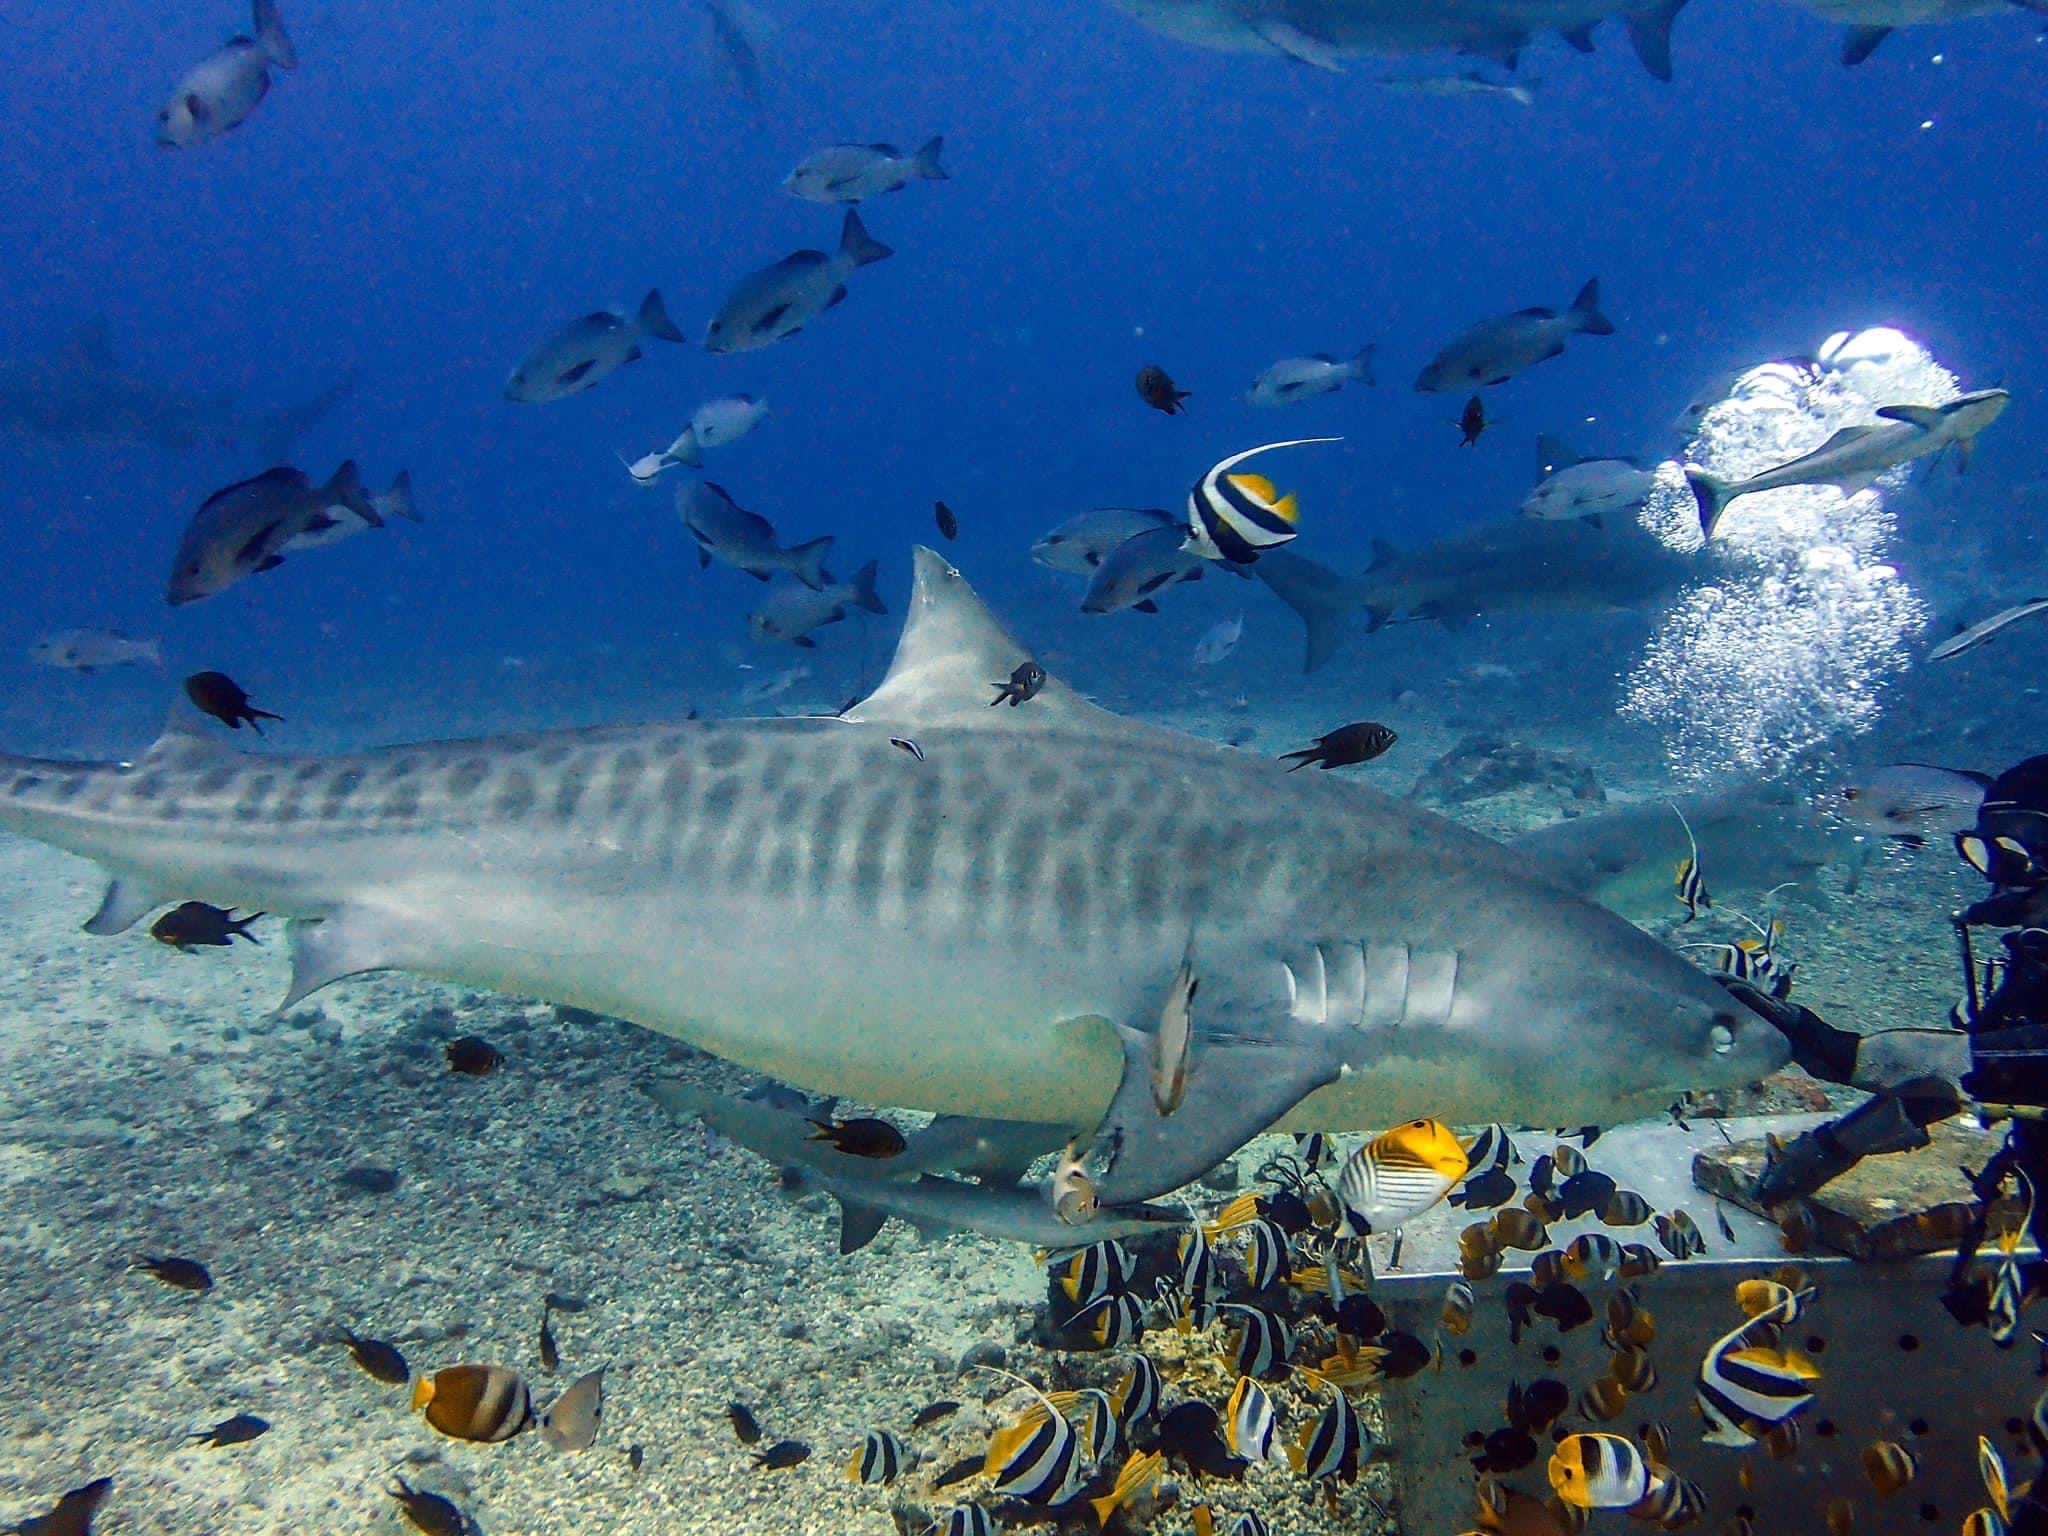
(653, 318)
(1320, 596)
(1104, 1507)
(1711, 492)
(345, 486)
(397, 498)
(1586, 316)
(1649, 33)
(809, 563)
(271, 38)
(864, 593)
(925, 163)
(859, 247)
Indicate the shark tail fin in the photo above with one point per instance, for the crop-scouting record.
(1321, 598)
(810, 564)
(864, 593)
(274, 436)
(1586, 316)
(925, 163)
(1711, 492)
(271, 38)
(653, 318)
(1649, 33)
(857, 246)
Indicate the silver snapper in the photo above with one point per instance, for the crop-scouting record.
(1575, 488)
(1522, 565)
(586, 351)
(1856, 456)
(1302, 378)
(958, 931)
(792, 612)
(1494, 351)
(1080, 544)
(726, 531)
(776, 302)
(851, 173)
(246, 528)
(712, 425)
(218, 93)
(1908, 801)
(95, 650)
(1134, 573)
(1321, 33)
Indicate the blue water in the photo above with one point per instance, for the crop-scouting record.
(435, 188)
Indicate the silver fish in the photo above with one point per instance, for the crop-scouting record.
(792, 612)
(849, 173)
(220, 91)
(1494, 351)
(1909, 800)
(1469, 84)
(586, 351)
(1080, 544)
(95, 650)
(1578, 488)
(1855, 456)
(1969, 639)
(1218, 641)
(1300, 378)
(778, 301)
(571, 1423)
(727, 532)
(712, 425)
(247, 527)
(342, 521)
(1137, 570)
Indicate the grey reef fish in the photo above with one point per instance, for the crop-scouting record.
(1084, 541)
(727, 532)
(248, 527)
(852, 173)
(1302, 378)
(1870, 22)
(1322, 33)
(1522, 565)
(776, 302)
(1137, 570)
(79, 392)
(95, 650)
(1856, 456)
(221, 90)
(1576, 487)
(792, 612)
(587, 351)
(1494, 351)
(987, 927)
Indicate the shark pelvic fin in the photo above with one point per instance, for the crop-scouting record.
(125, 904)
(347, 942)
(953, 650)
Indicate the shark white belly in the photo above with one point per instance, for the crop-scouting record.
(957, 932)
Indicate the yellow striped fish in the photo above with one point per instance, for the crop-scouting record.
(1233, 517)
(1398, 1175)
(1599, 1471)
(1692, 888)
(1248, 1422)
(1138, 1474)
(1038, 1458)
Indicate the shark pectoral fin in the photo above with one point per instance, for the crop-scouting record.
(858, 1224)
(347, 942)
(1236, 1088)
(125, 904)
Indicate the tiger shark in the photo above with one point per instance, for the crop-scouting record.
(79, 390)
(931, 903)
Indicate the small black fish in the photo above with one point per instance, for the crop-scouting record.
(428, 1512)
(1158, 391)
(1565, 1305)
(1192, 1434)
(1482, 1192)
(179, 1274)
(783, 1453)
(863, 1137)
(1360, 1316)
(949, 525)
(1023, 685)
(72, 1514)
(194, 923)
(1505, 1451)
(1585, 1192)
(369, 1179)
(1348, 744)
(1537, 1406)
(564, 1303)
(1518, 1299)
(636, 1457)
(239, 1430)
(931, 1413)
(218, 695)
(473, 1056)
(550, 1357)
(960, 1471)
(1471, 421)
(382, 1361)
(1405, 1355)
(744, 1424)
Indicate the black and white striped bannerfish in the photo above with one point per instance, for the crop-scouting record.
(1233, 517)
(1248, 1422)
(1692, 886)
(1333, 1445)
(966, 1520)
(1038, 1458)
(2008, 1285)
(1111, 1321)
(1263, 1342)
(1197, 1263)
(1747, 1386)
(880, 1459)
(1095, 1271)
(1673, 1502)
(1187, 1313)
(1135, 1397)
(1266, 1255)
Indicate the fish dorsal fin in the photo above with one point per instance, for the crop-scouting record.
(1257, 485)
(952, 653)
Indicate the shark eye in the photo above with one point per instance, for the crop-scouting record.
(1722, 1038)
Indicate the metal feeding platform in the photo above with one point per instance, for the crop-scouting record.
(1895, 1365)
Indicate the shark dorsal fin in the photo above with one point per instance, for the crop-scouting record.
(952, 653)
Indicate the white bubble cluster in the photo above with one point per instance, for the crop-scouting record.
(1794, 640)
